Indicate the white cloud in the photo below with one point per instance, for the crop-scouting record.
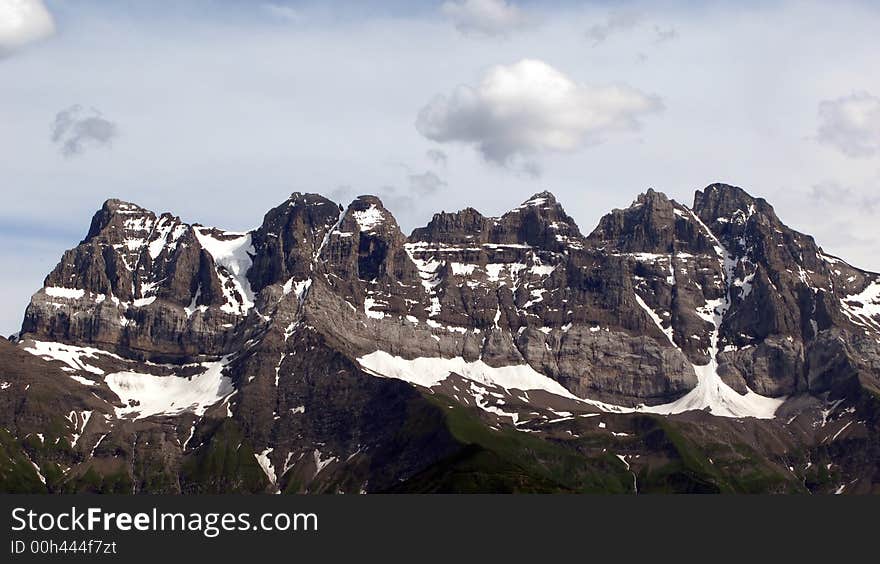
(23, 22)
(485, 17)
(77, 128)
(530, 107)
(851, 124)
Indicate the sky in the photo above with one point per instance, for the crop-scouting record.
(216, 110)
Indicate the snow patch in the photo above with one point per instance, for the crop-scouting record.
(68, 354)
(369, 218)
(462, 269)
(68, 293)
(147, 394)
(369, 304)
(232, 258)
(864, 308)
(37, 469)
(79, 420)
(143, 302)
(299, 287)
(430, 371)
(542, 270)
(266, 465)
(668, 331)
(320, 462)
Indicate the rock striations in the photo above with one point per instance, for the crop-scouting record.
(702, 348)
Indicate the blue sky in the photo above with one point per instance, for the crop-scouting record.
(217, 110)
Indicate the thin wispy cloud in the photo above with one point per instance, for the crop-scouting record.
(486, 17)
(425, 183)
(77, 129)
(851, 124)
(836, 194)
(628, 23)
(283, 12)
(615, 23)
(342, 194)
(662, 35)
(416, 187)
(438, 157)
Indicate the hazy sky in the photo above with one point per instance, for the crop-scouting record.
(217, 110)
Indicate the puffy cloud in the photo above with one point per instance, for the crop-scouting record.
(485, 17)
(851, 124)
(23, 22)
(615, 23)
(530, 107)
(437, 157)
(77, 128)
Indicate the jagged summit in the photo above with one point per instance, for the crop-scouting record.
(652, 198)
(731, 203)
(367, 200)
(654, 223)
(528, 269)
(543, 203)
(299, 198)
(326, 351)
(115, 205)
(114, 212)
(289, 239)
(541, 199)
(453, 228)
(368, 214)
(539, 221)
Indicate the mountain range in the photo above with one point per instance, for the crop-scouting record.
(703, 348)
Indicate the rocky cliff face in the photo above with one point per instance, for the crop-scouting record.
(327, 351)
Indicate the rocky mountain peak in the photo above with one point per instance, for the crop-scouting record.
(652, 224)
(367, 245)
(652, 198)
(306, 198)
(542, 204)
(540, 222)
(367, 216)
(366, 200)
(115, 205)
(289, 239)
(461, 227)
(116, 214)
(544, 198)
(726, 203)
